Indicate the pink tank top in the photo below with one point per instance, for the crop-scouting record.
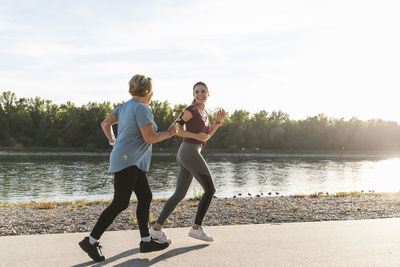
(197, 124)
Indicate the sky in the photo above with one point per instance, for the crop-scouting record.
(339, 58)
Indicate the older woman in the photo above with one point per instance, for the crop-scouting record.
(129, 162)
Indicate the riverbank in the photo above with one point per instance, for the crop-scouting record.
(217, 153)
(80, 216)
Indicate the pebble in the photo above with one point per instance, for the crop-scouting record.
(24, 220)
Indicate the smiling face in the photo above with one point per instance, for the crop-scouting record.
(200, 94)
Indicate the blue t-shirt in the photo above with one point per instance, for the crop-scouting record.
(130, 148)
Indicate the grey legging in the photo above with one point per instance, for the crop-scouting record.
(191, 163)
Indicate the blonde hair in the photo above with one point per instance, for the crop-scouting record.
(140, 85)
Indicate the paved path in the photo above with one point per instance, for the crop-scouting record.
(336, 243)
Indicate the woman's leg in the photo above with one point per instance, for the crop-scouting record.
(144, 196)
(124, 182)
(193, 161)
(182, 185)
(197, 166)
(209, 190)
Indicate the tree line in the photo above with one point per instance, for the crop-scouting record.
(38, 123)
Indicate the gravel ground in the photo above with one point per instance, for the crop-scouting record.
(81, 217)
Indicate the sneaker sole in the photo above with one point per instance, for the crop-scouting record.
(199, 238)
(151, 250)
(162, 241)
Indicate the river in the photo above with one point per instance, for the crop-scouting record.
(71, 176)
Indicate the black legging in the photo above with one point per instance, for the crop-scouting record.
(126, 181)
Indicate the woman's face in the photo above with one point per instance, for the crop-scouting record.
(200, 94)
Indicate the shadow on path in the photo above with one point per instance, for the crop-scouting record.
(109, 260)
(169, 254)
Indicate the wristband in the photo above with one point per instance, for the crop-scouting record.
(218, 122)
(111, 142)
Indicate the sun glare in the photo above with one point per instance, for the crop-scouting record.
(387, 175)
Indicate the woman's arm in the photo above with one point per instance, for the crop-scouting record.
(202, 137)
(218, 122)
(151, 137)
(187, 115)
(107, 124)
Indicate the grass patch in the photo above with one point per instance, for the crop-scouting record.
(237, 209)
(298, 196)
(64, 203)
(133, 218)
(319, 194)
(160, 200)
(43, 205)
(230, 203)
(3, 204)
(80, 203)
(196, 195)
(348, 194)
(96, 202)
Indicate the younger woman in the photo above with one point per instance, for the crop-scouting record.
(192, 164)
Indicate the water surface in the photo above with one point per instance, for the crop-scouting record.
(85, 176)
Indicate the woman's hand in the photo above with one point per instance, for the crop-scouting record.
(173, 129)
(202, 137)
(151, 137)
(106, 125)
(221, 114)
(219, 118)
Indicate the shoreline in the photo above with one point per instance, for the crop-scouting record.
(80, 216)
(228, 154)
(213, 151)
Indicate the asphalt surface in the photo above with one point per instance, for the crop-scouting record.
(334, 243)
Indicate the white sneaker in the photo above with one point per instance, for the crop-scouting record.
(200, 234)
(159, 236)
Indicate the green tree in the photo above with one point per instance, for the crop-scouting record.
(33, 122)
